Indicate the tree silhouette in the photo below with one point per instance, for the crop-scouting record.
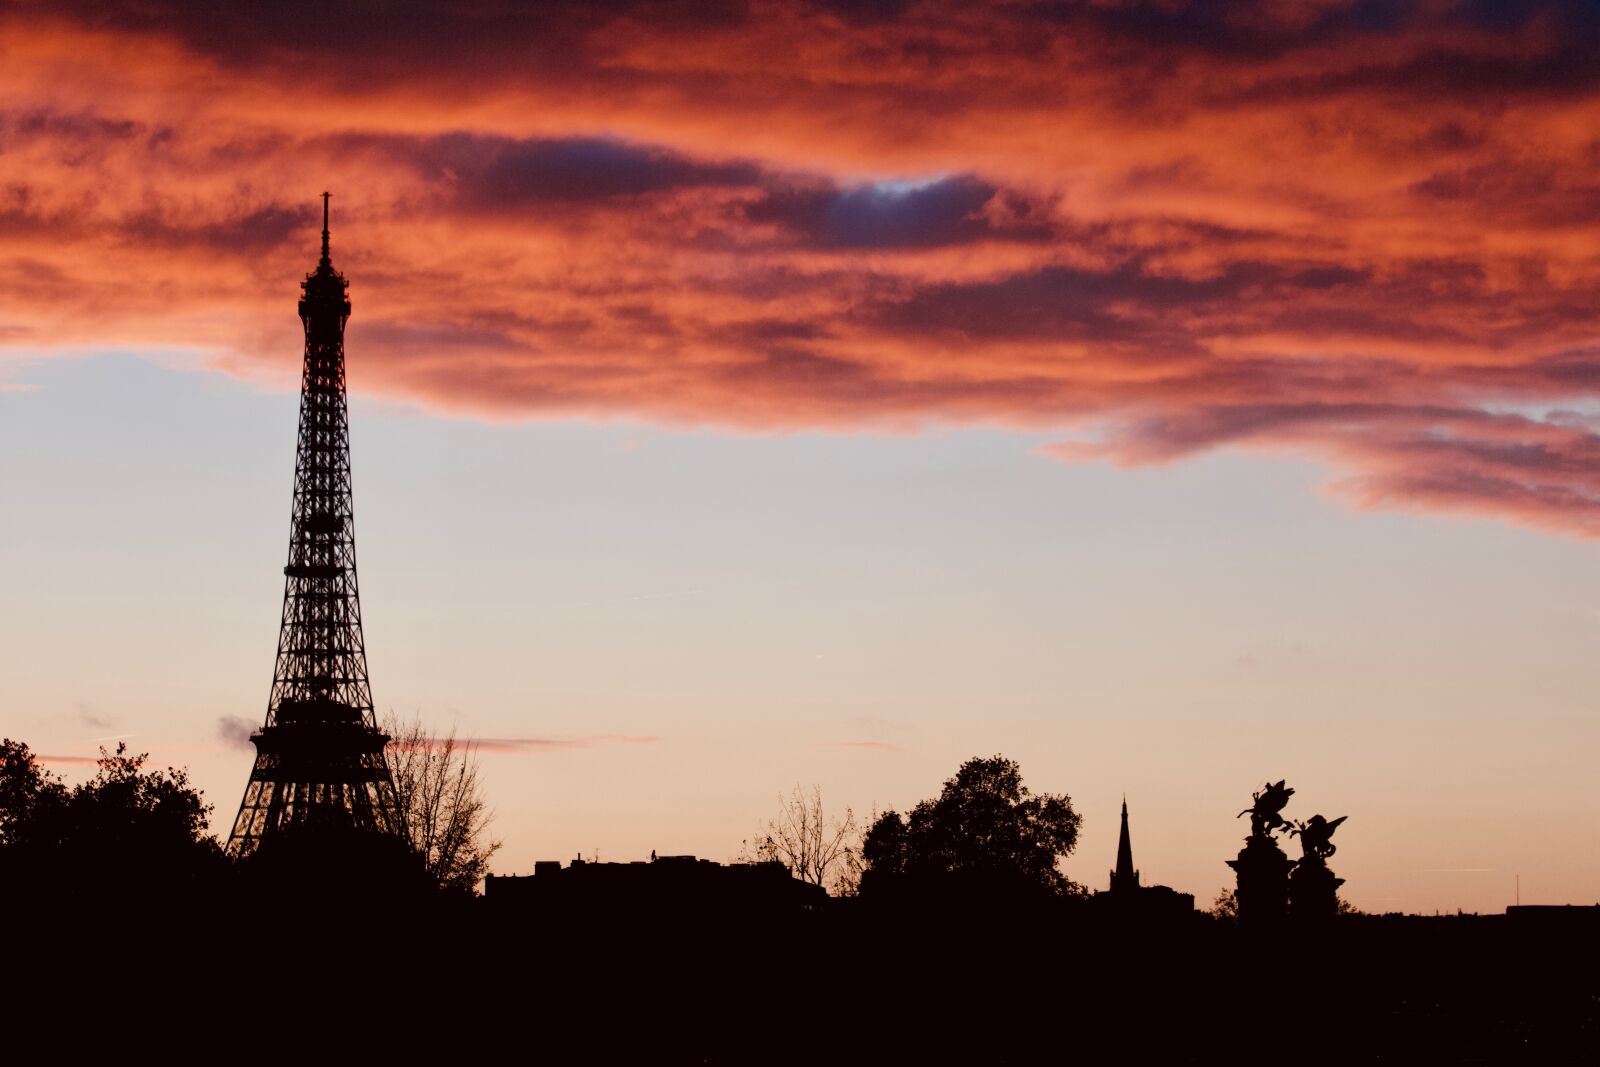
(31, 798)
(441, 801)
(126, 832)
(815, 849)
(125, 804)
(984, 830)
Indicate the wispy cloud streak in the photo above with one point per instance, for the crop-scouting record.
(234, 731)
(531, 745)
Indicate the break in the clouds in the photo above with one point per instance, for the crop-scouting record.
(1364, 232)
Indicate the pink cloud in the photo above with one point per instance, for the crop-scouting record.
(1250, 225)
(1544, 472)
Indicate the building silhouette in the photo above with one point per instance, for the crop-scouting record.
(319, 754)
(663, 887)
(1569, 919)
(1125, 897)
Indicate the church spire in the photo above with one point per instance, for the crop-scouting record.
(1124, 878)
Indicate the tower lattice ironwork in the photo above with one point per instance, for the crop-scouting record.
(319, 755)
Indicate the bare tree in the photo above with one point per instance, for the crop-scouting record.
(441, 801)
(817, 850)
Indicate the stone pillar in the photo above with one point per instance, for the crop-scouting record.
(1313, 891)
(1263, 882)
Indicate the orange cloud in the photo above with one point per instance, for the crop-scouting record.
(1363, 232)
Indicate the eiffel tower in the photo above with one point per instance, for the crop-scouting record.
(319, 755)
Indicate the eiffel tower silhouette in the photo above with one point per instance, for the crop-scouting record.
(319, 755)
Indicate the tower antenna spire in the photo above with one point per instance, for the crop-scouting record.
(326, 260)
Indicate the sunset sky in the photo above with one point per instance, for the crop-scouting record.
(1170, 396)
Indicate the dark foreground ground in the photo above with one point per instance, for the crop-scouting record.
(468, 982)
